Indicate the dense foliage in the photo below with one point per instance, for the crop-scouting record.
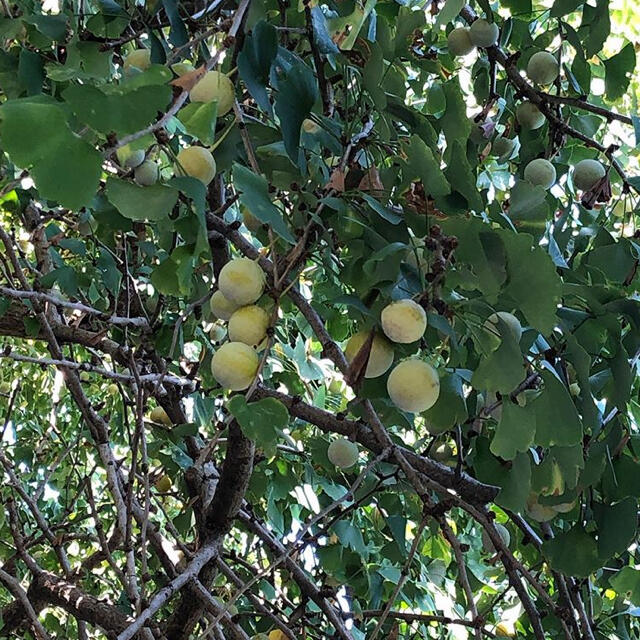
(205, 205)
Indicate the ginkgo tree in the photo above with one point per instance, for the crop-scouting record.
(319, 319)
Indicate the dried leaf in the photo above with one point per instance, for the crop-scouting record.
(190, 79)
(358, 365)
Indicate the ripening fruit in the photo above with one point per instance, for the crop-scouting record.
(513, 324)
(129, 158)
(505, 630)
(234, 365)
(147, 173)
(276, 634)
(249, 325)
(222, 308)
(241, 281)
(459, 42)
(403, 321)
(540, 172)
(529, 116)
(5, 388)
(484, 33)
(140, 59)
(586, 173)
(198, 163)
(543, 68)
(113, 389)
(343, 453)
(309, 126)
(487, 544)
(503, 148)
(215, 86)
(380, 356)
(163, 483)
(574, 389)
(159, 416)
(413, 386)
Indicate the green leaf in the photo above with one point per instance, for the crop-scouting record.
(65, 168)
(322, 37)
(627, 584)
(527, 203)
(618, 70)
(451, 408)
(381, 210)
(533, 282)
(254, 194)
(502, 369)
(122, 112)
(296, 95)
(449, 11)
(260, 421)
(616, 526)
(141, 203)
(426, 166)
(596, 23)
(557, 421)
(454, 121)
(199, 119)
(460, 174)
(563, 7)
(255, 60)
(515, 431)
(173, 276)
(514, 479)
(573, 552)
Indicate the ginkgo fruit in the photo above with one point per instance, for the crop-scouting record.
(249, 325)
(529, 116)
(235, 365)
(504, 148)
(147, 173)
(197, 162)
(380, 356)
(276, 634)
(586, 173)
(459, 42)
(113, 389)
(163, 483)
(540, 172)
(503, 532)
(413, 385)
(512, 323)
(130, 158)
(241, 281)
(214, 86)
(159, 416)
(343, 453)
(484, 33)
(543, 68)
(221, 307)
(403, 321)
(140, 59)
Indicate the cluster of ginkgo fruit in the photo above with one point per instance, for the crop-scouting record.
(195, 161)
(542, 69)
